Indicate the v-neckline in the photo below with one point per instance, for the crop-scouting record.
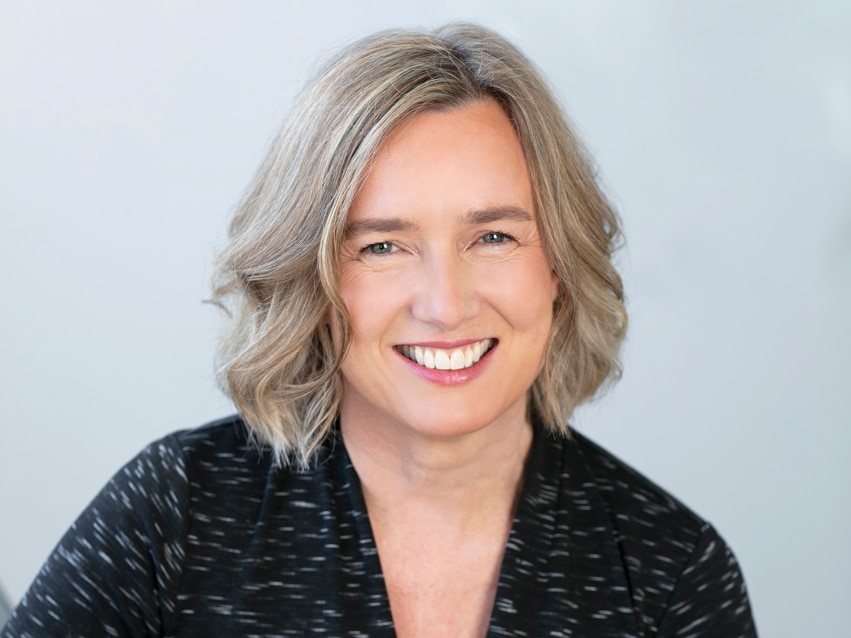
(545, 586)
(520, 559)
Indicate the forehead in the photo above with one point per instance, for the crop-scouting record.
(469, 157)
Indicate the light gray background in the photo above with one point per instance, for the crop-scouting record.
(723, 131)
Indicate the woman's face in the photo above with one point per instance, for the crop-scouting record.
(445, 278)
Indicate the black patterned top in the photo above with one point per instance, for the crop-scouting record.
(203, 535)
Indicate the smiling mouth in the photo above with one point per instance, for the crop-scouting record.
(451, 359)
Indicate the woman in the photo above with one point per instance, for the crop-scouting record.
(422, 291)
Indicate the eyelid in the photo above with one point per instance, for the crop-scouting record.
(506, 236)
(365, 250)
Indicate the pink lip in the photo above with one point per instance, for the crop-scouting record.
(449, 377)
(446, 345)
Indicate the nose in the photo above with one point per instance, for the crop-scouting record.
(445, 295)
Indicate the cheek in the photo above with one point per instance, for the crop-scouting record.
(529, 288)
(371, 302)
(352, 293)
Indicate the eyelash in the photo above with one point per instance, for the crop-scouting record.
(369, 248)
(504, 237)
(373, 248)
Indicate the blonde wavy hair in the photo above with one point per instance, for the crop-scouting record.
(278, 272)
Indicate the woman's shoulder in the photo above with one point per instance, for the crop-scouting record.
(170, 477)
(677, 567)
(629, 493)
(227, 436)
(220, 448)
(651, 526)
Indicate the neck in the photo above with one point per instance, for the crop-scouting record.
(455, 478)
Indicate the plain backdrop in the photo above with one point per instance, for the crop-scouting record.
(722, 131)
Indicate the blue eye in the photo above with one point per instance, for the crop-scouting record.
(380, 248)
(494, 238)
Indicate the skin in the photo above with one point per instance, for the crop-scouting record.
(442, 250)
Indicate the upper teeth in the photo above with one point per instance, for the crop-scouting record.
(454, 359)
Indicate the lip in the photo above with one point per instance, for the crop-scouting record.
(449, 377)
(445, 345)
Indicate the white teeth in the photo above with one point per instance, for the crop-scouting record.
(441, 360)
(455, 359)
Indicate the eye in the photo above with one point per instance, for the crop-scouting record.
(494, 237)
(379, 248)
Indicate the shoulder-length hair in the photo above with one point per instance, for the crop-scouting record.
(278, 273)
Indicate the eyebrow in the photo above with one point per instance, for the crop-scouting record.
(378, 225)
(497, 214)
(472, 218)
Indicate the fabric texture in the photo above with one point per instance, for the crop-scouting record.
(203, 535)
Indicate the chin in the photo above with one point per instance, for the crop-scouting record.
(449, 423)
